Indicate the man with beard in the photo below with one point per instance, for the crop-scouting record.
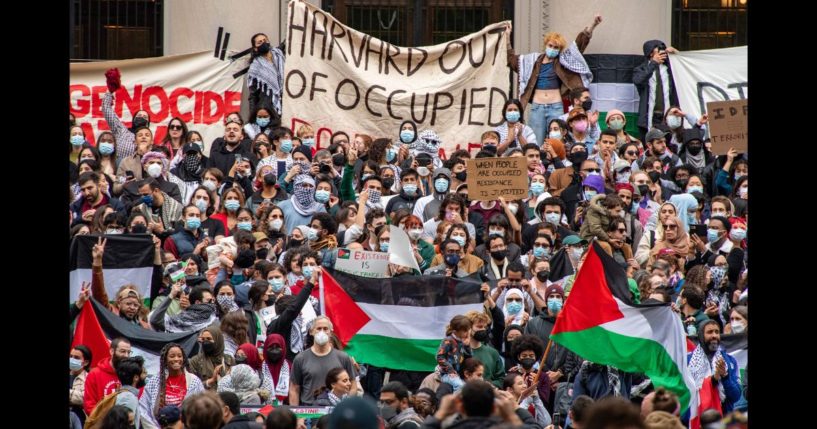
(92, 197)
(395, 407)
(187, 174)
(102, 380)
(715, 372)
(425, 402)
(223, 151)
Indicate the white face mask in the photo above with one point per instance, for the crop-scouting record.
(276, 224)
(513, 208)
(155, 170)
(415, 234)
(209, 184)
(738, 327)
(321, 338)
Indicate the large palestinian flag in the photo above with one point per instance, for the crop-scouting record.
(128, 259)
(396, 323)
(613, 88)
(600, 323)
(97, 326)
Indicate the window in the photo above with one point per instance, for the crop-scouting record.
(116, 29)
(709, 24)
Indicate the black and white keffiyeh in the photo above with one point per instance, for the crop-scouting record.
(268, 76)
(194, 318)
(570, 58)
(700, 366)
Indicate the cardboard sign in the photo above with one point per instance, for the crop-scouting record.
(363, 264)
(491, 178)
(728, 125)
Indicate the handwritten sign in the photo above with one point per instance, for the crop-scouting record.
(491, 178)
(728, 125)
(362, 263)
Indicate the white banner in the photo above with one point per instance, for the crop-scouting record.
(337, 78)
(363, 263)
(198, 88)
(712, 75)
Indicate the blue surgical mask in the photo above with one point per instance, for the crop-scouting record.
(553, 218)
(277, 284)
(310, 142)
(588, 195)
(322, 196)
(674, 121)
(384, 247)
(390, 154)
(74, 364)
(514, 307)
(538, 252)
(202, 205)
(551, 53)
(232, 205)
(410, 189)
(512, 116)
(406, 136)
(106, 148)
(312, 234)
(459, 239)
(453, 259)
(691, 189)
(555, 135)
(193, 223)
(77, 140)
(148, 200)
(364, 177)
(262, 122)
(246, 226)
(537, 188)
(441, 185)
(308, 270)
(738, 234)
(554, 305)
(285, 146)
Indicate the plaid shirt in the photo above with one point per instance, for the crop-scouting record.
(125, 139)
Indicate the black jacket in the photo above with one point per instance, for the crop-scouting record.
(224, 159)
(283, 323)
(242, 422)
(130, 192)
(528, 422)
(641, 79)
(402, 201)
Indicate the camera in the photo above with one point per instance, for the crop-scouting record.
(325, 168)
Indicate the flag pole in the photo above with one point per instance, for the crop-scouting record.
(320, 289)
(541, 365)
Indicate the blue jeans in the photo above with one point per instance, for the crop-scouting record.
(540, 117)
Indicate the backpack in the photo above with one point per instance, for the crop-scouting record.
(101, 410)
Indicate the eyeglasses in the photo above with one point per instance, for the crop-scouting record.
(630, 152)
(176, 127)
(622, 230)
(670, 226)
(592, 170)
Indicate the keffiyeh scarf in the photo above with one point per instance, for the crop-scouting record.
(268, 76)
(570, 58)
(194, 318)
(282, 387)
(700, 366)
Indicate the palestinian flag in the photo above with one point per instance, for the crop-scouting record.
(613, 88)
(600, 323)
(399, 322)
(128, 259)
(97, 326)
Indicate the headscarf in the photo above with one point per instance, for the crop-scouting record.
(684, 202)
(194, 318)
(253, 360)
(423, 145)
(204, 365)
(303, 199)
(275, 367)
(514, 291)
(153, 155)
(244, 382)
(680, 245)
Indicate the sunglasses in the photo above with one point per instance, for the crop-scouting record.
(593, 170)
(670, 226)
(622, 230)
(175, 127)
(514, 300)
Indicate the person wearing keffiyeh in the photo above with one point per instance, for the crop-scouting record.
(265, 77)
(275, 368)
(300, 207)
(714, 371)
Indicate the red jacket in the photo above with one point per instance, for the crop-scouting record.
(101, 381)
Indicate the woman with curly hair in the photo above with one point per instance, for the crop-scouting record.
(170, 386)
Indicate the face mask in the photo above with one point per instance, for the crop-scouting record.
(338, 159)
(682, 183)
(308, 270)
(577, 252)
(527, 363)
(390, 154)
(139, 122)
(225, 301)
(496, 233)
(322, 196)
(264, 48)
(459, 239)
(387, 413)
(441, 185)
(694, 188)
(499, 255)
(232, 205)
(148, 200)
(406, 136)
(114, 231)
(616, 124)
(461, 176)
(276, 224)
(410, 189)
(240, 360)
(551, 53)
(209, 184)
(285, 146)
(623, 178)
(193, 223)
(262, 122)
(308, 142)
(580, 126)
(246, 226)
(273, 355)
(537, 188)
(154, 170)
(423, 171)
(587, 104)
(482, 335)
(538, 252)
(674, 121)
(312, 234)
(452, 260)
(644, 190)
(692, 330)
(321, 338)
(415, 234)
(743, 192)
(738, 234)
(106, 148)
(208, 347)
(554, 305)
(512, 116)
(277, 284)
(202, 205)
(384, 247)
(75, 364)
(654, 176)
(588, 195)
(513, 208)
(388, 182)
(542, 276)
(553, 218)
(738, 327)
(374, 196)
(716, 214)
(694, 149)
(514, 307)
(555, 135)
(262, 253)
(717, 275)
(77, 140)
(139, 229)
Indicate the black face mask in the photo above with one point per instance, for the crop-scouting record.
(577, 158)
(264, 48)
(139, 122)
(543, 275)
(461, 176)
(499, 255)
(586, 105)
(527, 363)
(271, 301)
(644, 190)
(140, 384)
(338, 159)
(209, 347)
(388, 182)
(654, 176)
(139, 229)
(682, 183)
(262, 253)
(274, 355)
(269, 179)
(294, 243)
(245, 258)
(694, 150)
(240, 359)
(481, 336)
